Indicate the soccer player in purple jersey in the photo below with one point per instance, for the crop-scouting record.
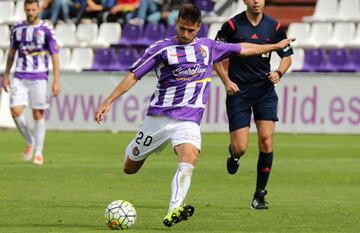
(183, 65)
(33, 39)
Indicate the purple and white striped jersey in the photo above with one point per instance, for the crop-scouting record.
(33, 43)
(184, 75)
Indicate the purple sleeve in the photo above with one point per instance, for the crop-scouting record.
(150, 58)
(13, 43)
(51, 43)
(221, 50)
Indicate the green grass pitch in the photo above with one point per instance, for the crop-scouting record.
(314, 185)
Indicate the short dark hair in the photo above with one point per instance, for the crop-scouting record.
(190, 12)
(31, 2)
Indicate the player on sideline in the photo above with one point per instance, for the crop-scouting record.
(250, 88)
(183, 65)
(33, 39)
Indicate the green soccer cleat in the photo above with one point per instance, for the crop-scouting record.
(178, 214)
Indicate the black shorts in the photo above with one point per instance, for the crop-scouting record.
(239, 109)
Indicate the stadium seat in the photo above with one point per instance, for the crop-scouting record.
(236, 8)
(203, 32)
(19, 13)
(355, 42)
(125, 58)
(339, 60)
(348, 10)
(2, 61)
(109, 33)
(131, 35)
(320, 33)
(274, 61)
(343, 34)
(86, 34)
(65, 34)
(300, 31)
(205, 5)
(4, 36)
(141, 51)
(104, 58)
(297, 60)
(355, 59)
(81, 59)
(324, 11)
(64, 58)
(213, 30)
(170, 31)
(7, 11)
(315, 60)
(152, 33)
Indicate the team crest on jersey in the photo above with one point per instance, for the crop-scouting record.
(203, 52)
(40, 37)
(136, 151)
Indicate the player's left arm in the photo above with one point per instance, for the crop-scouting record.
(53, 49)
(56, 81)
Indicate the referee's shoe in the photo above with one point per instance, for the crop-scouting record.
(258, 201)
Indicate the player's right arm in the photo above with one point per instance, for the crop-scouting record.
(9, 63)
(126, 84)
(230, 87)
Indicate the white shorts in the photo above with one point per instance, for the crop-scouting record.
(24, 92)
(157, 131)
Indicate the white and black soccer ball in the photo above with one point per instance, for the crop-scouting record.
(120, 215)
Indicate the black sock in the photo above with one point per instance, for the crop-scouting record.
(263, 169)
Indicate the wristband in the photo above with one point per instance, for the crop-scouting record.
(279, 73)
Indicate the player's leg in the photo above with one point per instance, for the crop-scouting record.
(18, 100)
(239, 113)
(151, 137)
(265, 113)
(239, 139)
(38, 102)
(265, 135)
(186, 140)
(187, 156)
(39, 134)
(132, 166)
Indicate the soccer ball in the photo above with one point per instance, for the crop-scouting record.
(120, 214)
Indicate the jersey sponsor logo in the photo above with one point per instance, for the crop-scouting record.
(178, 54)
(186, 71)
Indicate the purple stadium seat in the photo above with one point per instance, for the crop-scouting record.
(355, 60)
(171, 31)
(131, 35)
(152, 33)
(315, 61)
(205, 5)
(203, 32)
(125, 58)
(339, 61)
(103, 59)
